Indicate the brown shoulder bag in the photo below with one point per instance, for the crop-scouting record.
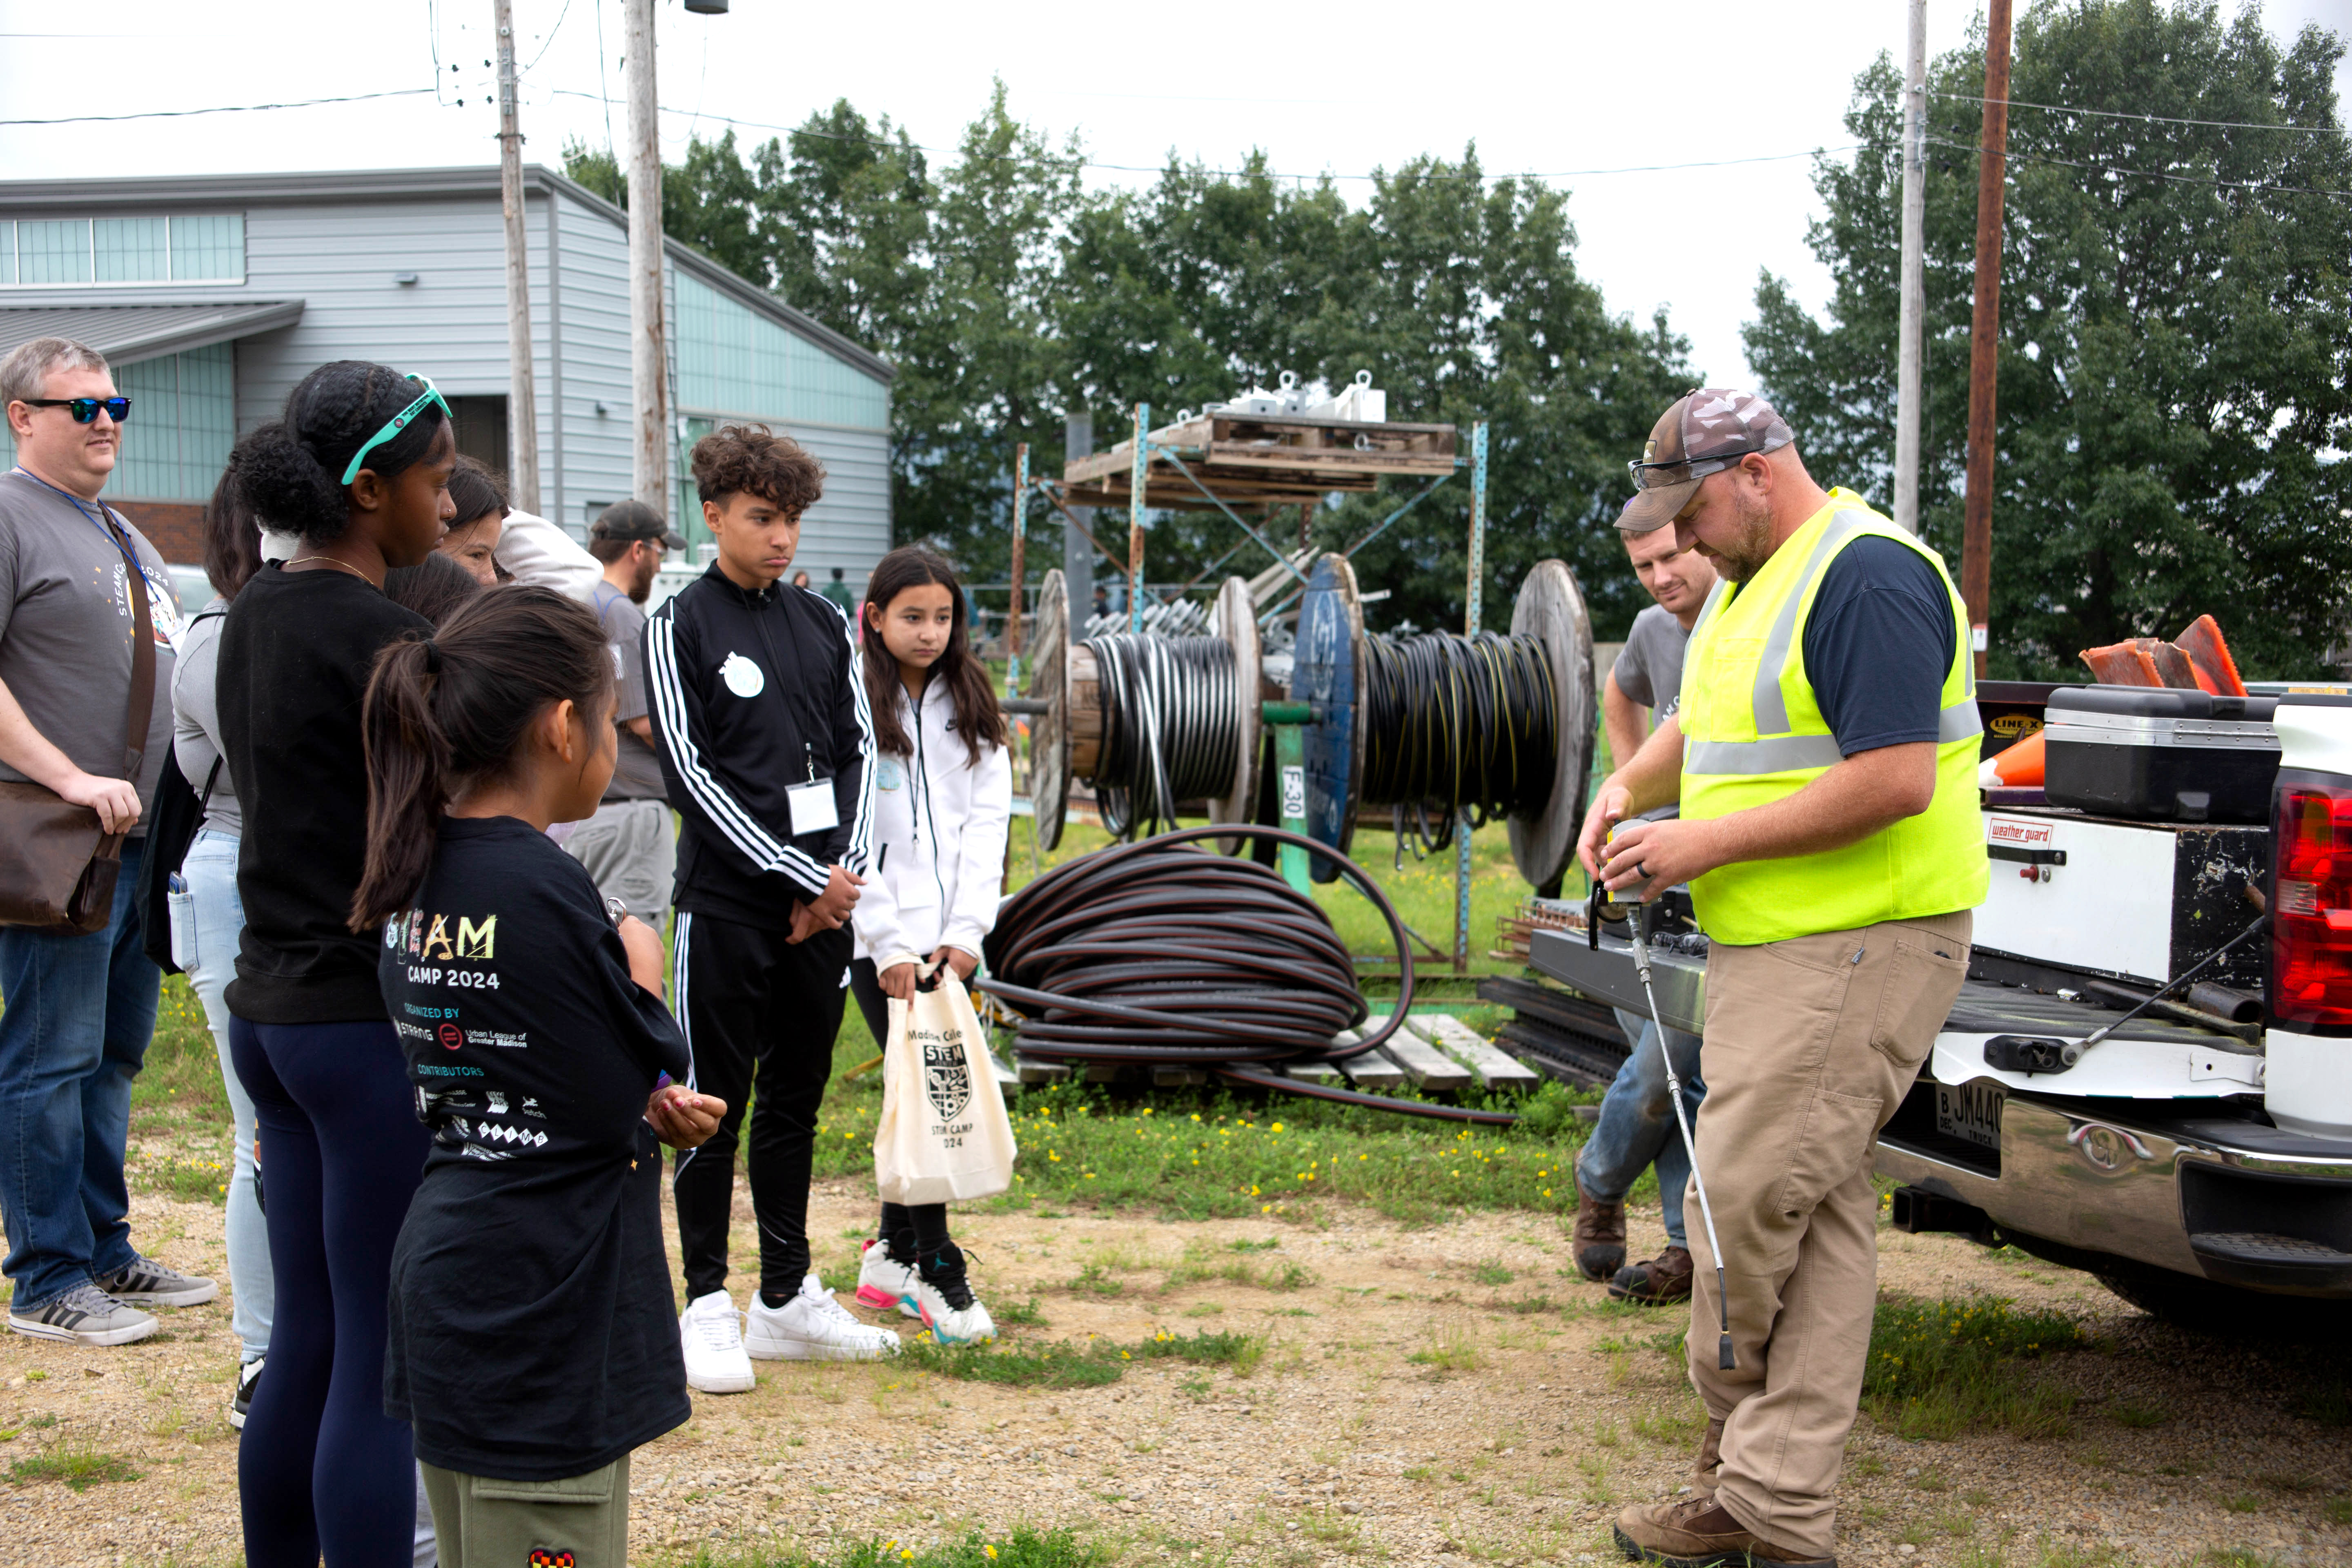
(57, 864)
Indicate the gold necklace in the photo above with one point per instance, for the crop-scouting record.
(331, 561)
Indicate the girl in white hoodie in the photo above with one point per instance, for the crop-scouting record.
(942, 796)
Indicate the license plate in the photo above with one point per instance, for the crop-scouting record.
(1971, 1112)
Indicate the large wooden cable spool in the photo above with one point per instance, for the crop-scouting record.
(1049, 732)
(1328, 675)
(1550, 608)
(1235, 621)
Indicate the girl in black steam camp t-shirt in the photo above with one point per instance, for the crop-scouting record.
(532, 1342)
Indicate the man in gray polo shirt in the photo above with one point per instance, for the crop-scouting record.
(78, 1010)
(629, 845)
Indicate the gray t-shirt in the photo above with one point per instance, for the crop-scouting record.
(638, 775)
(1650, 672)
(1650, 669)
(66, 621)
(195, 718)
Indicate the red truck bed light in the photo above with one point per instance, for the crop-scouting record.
(2311, 929)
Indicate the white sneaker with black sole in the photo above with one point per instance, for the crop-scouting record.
(711, 1333)
(143, 1282)
(248, 1378)
(812, 1326)
(884, 1282)
(84, 1315)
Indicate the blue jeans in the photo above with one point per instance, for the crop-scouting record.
(1637, 1123)
(208, 954)
(78, 1012)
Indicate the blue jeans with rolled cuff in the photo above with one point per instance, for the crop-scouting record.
(75, 1015)
(1637, 1123)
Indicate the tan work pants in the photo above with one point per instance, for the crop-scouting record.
(1810, 1046)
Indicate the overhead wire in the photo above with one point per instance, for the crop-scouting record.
(2015, 157)
(2135, 115)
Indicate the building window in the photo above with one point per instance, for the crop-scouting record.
(49, 253)
(183, 424)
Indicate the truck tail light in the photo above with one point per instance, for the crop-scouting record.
(2311, 906)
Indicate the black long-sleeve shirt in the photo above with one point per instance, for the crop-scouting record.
(296, 652)
(755, 693)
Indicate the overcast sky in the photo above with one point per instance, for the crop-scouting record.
(1547, 89)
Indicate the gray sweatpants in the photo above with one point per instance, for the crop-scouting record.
(631, 850)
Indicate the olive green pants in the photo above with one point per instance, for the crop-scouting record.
(582, 1521)
(1812, 1044)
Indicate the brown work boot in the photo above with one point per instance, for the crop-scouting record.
(1707, 1468)
(1598, 1239)
(1697, 1532)
(1655, 1281)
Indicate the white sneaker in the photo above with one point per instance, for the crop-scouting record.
(884, 1282)
(953, 1325)
(812, 1326)
(711, 1334)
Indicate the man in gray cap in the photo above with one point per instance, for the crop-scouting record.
(1824, 757)
(628, 845)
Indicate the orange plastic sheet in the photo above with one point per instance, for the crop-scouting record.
(2217, 671)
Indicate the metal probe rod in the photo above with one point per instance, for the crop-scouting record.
(1639, 918)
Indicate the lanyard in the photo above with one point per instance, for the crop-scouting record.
(163, 612)
(96, 521)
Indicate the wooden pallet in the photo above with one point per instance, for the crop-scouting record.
(1261, 460)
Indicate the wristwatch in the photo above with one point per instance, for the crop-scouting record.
(617, 912)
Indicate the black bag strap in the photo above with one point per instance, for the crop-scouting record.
(143, 653)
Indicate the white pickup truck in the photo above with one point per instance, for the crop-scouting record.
(2191, 1167)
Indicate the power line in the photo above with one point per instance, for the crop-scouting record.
(2143, 173)
(2150, 119)
(222, 109)
(1228, 173)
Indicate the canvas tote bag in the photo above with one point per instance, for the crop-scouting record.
(943, 1135)
(57, 864)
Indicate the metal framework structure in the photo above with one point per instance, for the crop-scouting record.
(1182, 457)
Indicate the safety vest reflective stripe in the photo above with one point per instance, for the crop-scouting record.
(1788, 753)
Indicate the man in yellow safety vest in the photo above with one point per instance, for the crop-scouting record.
(1825, 758)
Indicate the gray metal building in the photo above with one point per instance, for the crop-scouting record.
(212, 295)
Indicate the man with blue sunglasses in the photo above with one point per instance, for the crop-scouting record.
(77, 1011)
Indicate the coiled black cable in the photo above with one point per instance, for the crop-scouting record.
(1455, 725)
(1171, 727)
(1155, 954)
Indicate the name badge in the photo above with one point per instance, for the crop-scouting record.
(813, 807)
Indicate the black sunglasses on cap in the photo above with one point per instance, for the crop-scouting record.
(84, 409)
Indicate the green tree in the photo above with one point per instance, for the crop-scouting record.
(2176, 331)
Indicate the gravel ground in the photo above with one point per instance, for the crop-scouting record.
(1447, 1395)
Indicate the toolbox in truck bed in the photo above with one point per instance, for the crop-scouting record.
(2160, 753)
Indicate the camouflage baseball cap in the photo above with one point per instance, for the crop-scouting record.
(1705, 431)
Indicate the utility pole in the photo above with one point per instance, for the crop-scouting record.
(522, 403)
(1984, 337)
(648, 357)
(1077, 555)
(1913, 343)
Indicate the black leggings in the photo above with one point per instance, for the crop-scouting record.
(918, 1230)
(321, 1468)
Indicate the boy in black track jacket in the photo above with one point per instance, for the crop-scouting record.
(767, 752)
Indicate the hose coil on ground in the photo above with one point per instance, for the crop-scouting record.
(1156, 953)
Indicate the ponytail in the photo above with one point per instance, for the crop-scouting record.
(448, 715)
(290, 471)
